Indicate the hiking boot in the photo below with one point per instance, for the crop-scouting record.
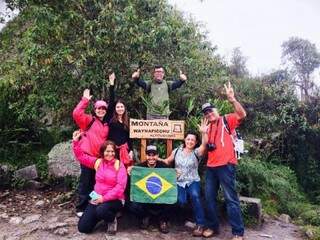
(112, 227)
(236, 237)
(145, 223)
(164, 227)
(208, 233)
(198, 231)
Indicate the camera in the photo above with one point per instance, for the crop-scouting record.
(211, 147)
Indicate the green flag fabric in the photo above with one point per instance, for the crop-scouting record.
(153, 185)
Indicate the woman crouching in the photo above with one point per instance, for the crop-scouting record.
(111, 178)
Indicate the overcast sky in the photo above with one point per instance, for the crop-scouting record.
(258, 27)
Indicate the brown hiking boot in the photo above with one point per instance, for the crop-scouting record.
(198, 231)
(164, 227)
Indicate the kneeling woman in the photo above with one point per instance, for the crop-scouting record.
(111, 179)
(186, 159)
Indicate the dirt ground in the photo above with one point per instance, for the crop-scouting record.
(50, 215)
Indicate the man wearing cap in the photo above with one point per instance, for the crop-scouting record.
(158, 90)
(221, 166)
(144, 210)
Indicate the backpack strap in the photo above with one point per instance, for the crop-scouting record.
(174, 157)
(90, 124)
(97, 163)
(99, 160)
(117, 164)
(225, 122)
(199, 160)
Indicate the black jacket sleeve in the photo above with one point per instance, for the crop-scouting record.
(176, 84)
(111, 104)
(141, 83)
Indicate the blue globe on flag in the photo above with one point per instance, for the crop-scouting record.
(154, 185)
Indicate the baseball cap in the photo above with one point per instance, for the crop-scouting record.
(207, 106)
(100, 103)
(151, 149)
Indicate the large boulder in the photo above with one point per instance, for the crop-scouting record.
(61, 162)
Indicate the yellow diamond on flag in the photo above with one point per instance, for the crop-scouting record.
(153, 185)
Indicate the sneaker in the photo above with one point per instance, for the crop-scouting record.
(190, 224)
(145, 223)
(208, 233)
(79, 214)
(112, 227)
(164, 227)
(198, 231)
(236, 237)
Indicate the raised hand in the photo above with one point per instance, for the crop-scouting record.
(136, 74)
(76, 135)
(182, 76)
(86, 94)
(229, 92)
(112, 77)
(204, 125)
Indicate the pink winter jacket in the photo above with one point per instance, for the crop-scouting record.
(97, 134)
(110, 183)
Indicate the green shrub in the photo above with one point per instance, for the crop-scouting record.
(276, 185)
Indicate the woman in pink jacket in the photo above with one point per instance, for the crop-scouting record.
(95, 130)
(111, 179)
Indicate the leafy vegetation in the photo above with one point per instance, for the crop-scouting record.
(55, 49)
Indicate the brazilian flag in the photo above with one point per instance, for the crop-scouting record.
(153, 185)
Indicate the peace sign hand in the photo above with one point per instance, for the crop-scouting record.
(229, 93)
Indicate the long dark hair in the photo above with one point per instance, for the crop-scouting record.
(197, 139)
(104, 146)
(125, 118)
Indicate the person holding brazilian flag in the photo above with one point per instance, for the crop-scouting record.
(153, 190)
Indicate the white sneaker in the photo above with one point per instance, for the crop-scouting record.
(79, 214)
(190, 224)
(113, 227)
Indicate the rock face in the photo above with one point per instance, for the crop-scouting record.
(62, 162)
(27, 173)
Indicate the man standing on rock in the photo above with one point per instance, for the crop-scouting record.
(221, 166)
(158, 90)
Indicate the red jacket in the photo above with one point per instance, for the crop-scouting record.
(110, 182)
(97, 134)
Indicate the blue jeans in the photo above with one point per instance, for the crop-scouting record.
(194, 193)
(224, 176)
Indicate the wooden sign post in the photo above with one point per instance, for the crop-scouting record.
(156, 129)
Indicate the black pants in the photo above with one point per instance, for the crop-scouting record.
(86, 184)
(141, 210)
(94, 213)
